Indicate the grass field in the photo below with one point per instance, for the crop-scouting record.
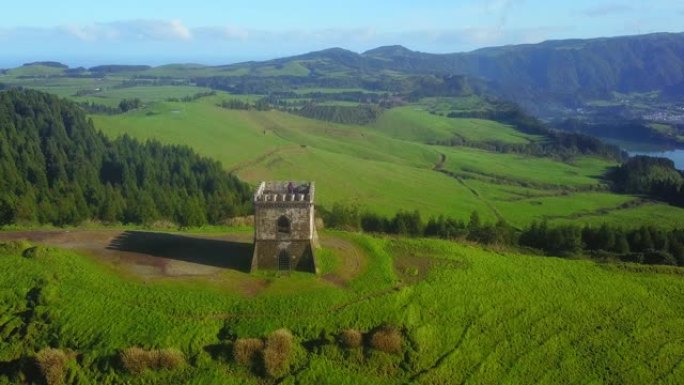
(414, 123)
(466, 315)
(387, 166)
(147, 94)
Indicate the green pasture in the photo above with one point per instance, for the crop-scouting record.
(386, 167)
(66, 87)
(148, 94)
(521, 169)
(466, 315)
(416, 124)
(652, 213)
(376, 186)
(301, 91)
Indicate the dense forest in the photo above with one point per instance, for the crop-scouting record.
(655, 177)
(57, 169)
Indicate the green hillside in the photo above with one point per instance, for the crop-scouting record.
(413, 123)
(463, 315)
(388, 166)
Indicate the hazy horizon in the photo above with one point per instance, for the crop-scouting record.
(159, 32)
(75, 62)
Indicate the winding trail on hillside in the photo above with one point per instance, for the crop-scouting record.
(440, 164)
(440, 168)
(441, 358)
(253, 162)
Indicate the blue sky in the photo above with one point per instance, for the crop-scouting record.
(79, 32)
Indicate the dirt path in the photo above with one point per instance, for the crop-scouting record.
(352, 260)
(152, 254)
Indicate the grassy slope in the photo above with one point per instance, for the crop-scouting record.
(479, 317)
(384, 166)
(414, 123)
(349, 164)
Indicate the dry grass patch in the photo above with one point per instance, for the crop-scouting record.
(135, 360)
(278, 352)
(351, 338)
(170, 359)
(246, 350)
(387, 339)
(52, 365)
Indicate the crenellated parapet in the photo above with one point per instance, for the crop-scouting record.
(285, 192)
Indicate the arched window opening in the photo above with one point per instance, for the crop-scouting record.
(283, 225)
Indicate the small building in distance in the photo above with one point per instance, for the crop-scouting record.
(284, 229)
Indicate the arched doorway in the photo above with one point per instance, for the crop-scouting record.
(284, 263)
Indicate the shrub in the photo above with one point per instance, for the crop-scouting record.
(246, 350)
(351, 338)
(37, 252)
(135, 360)
(387, 339)
(52, 364)
(277, 352)
(169, 359)
(14, 247)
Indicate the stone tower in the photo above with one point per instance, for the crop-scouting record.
(284, 232)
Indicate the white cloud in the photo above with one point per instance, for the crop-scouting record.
(129, 30)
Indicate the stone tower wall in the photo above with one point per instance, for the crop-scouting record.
(270, 204)
(266, 218)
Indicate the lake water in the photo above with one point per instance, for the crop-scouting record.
(676, 155)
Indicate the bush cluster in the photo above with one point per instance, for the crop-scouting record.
(52, 365)
(278, 352)
(387, 339)
(136, 360)
(273, 356)
(351, 338)
(246, 351)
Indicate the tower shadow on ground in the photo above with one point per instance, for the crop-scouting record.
(211, 252)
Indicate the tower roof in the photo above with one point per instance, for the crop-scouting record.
(285, 191)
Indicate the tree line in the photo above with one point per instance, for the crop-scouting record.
(565, 145)
(57, 169)
(361, 114)
(656, 177)
(261, 104)
(645, 244)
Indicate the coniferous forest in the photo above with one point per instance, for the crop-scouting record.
(57, 169)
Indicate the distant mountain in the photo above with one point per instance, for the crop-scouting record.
(565, 71)
(46, 64)
(587, 68)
